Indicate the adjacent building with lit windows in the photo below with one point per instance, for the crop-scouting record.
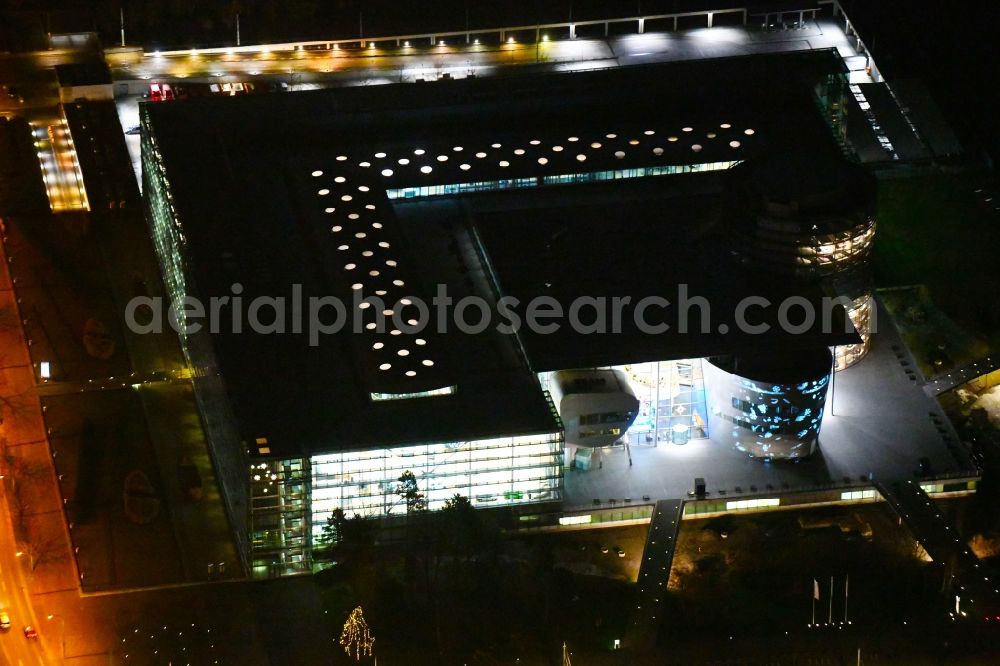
(533, 188)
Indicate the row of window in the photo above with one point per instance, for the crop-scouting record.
(603, 432)
(447, 390)
(519, 183)
(606, 417)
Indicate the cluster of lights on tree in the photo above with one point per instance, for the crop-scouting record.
(355, 637)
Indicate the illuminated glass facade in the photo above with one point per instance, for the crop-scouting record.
(279, 517)
(490, 472)
(767, 419)
(168, 236)
(414, 192)
(671, 401)
(861, 316)
(798, 248)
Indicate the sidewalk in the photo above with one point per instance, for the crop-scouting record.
(49, 564)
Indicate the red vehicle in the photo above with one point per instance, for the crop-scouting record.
(160, 92)
(29, 632)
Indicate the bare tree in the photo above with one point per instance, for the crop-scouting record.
(43, 549)
(23, 476)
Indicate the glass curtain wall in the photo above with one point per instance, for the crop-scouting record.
(490, 472)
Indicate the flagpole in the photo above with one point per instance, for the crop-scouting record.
(815, 593)
(847, 578)
(829, 618)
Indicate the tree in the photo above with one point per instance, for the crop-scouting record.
(332, 533)
(409, 492)
(462, 528)
(348, 538)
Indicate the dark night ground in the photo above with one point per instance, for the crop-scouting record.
(754, 586)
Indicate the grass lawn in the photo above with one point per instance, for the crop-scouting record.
(935, 230)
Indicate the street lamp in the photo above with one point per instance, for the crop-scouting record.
(62, 630)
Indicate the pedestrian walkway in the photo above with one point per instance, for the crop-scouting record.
(955, 378)
(654, 571)
(974, 589)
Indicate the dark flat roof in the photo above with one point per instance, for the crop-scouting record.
(259, 182)
(83, 74)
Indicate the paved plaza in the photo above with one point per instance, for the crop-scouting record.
(878, 421)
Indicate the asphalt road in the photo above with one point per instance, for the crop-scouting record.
(15, 649)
